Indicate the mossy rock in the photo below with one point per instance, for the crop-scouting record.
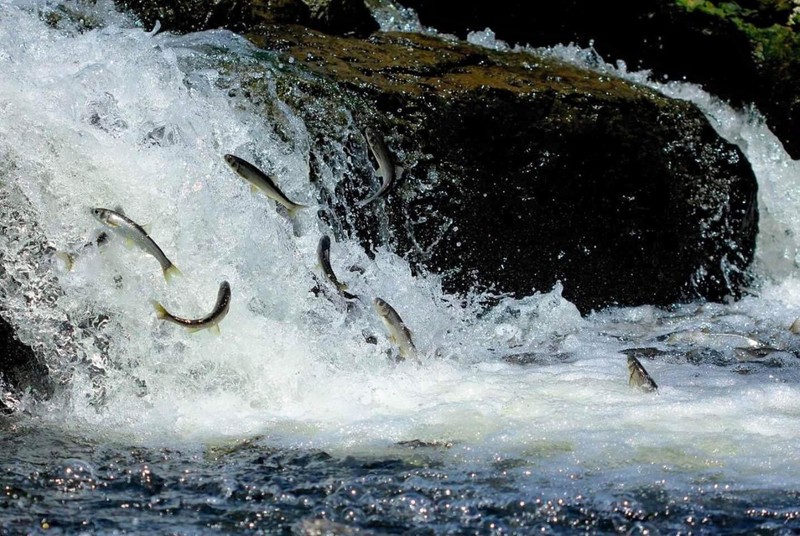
(522, 170)
(746, 51)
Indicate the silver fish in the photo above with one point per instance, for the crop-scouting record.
(261, 181)
(639, 377)
(324, 259)
(68, 258)
(130, 230)
(389, 172)
(210, 321)
(398, 332)
(715, 341)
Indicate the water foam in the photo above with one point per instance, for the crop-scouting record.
(116, 115)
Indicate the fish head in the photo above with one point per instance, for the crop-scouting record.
(232, 161)
(381, 306)
(101, 214)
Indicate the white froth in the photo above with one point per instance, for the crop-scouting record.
(117, 116)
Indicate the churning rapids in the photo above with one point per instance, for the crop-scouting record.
(520, 417)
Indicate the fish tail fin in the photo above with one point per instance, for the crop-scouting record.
(171, 272)
(398, 172)
(795, 327)
(66, 258)
(293, 211)
(348, 296)
(161, 313)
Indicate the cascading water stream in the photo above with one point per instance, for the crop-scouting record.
(119, 116)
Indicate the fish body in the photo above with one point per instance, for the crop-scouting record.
(638, 376)
(324, 259)
(261, 181)
(716, 341)
(135, 233)
(388, 171)
(210, 321)
(398, 332)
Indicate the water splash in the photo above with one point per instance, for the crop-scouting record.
(116, 115)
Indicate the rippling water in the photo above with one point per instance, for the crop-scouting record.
(519, 418)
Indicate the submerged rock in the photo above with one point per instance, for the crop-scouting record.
(20, 369)
(523, 171)
(746, 51)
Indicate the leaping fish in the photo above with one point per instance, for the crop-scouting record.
(388, 171)
(398, 332)
(130, 230)
(210, 321)
(716, 341)
(324, 259)
(261, 181)
(639, 377)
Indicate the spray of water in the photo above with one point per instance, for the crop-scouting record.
(120, 116)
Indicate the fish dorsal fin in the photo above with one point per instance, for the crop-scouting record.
(215, 329)
(119, 210)
(147, 227)
(398, 172)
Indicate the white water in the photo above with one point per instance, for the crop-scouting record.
(76, 113)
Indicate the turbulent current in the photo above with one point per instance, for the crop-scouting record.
(297, 417)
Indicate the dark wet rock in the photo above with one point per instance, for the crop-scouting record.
(184, 16)
(521, 170)
(538, 358)
(746, 51)
(20, 369)
(333, 16)
(342, 17)
(708, 356)
(645, 353)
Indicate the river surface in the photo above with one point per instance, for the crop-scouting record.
(297, 418)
